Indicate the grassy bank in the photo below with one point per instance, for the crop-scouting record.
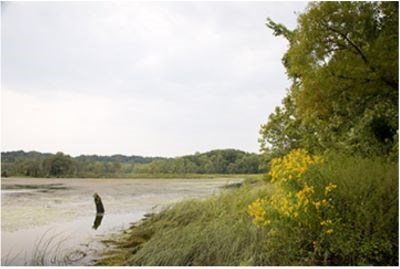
(215, 231)
(336, 211)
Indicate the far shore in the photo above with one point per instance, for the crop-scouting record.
(153, 176)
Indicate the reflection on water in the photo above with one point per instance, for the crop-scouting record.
(97, 220)
(32, 207)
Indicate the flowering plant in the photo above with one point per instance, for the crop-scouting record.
(301, 197)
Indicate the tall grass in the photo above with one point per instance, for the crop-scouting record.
(366, 202)
(216, 231)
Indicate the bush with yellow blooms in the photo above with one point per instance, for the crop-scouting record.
(298, 198)
(330, 210)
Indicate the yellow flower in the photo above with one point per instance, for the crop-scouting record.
(326, 222)
(291, 166)
(317, 205)
(257, 211)
(330, 187)
(293, 194)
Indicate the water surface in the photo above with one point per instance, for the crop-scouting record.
(54, 218)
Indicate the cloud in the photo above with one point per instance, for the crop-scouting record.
(157, 78)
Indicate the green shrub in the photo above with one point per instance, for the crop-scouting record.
(341, 211)
(366, 202)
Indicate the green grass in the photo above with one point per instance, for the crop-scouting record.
(215, 231)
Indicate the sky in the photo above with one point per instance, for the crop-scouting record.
(140, 78)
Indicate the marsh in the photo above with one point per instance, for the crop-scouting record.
(50, 220)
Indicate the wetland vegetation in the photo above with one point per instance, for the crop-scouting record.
(328, 194)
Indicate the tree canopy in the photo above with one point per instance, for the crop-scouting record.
(343, 64)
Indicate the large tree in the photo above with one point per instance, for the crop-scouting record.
(343, 63)
(60, 165)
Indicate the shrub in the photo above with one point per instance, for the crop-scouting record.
(334, 210)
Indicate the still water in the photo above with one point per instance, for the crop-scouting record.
(53, 221)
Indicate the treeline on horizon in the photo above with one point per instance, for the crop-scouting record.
(36, 164)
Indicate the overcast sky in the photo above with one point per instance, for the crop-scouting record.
(143, 78)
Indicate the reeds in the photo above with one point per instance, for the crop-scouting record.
(51, 249)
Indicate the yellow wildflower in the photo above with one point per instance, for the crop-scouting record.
(257, 211)
(326, 222)
(317, 205)
(330, 187)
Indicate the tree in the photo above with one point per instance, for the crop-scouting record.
(343, 63)
(60, 165)
(281, 133)
(33, 167)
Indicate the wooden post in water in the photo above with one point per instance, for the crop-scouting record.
(99, 204)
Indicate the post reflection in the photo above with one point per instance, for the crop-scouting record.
(97, 221)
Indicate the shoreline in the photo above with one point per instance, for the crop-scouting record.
(149, 176)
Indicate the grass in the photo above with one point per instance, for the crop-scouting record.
(219, 231)
(49, 250)
(215, 231)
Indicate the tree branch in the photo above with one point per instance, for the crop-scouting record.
(362, 55)
(360, 52)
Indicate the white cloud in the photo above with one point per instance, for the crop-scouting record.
(150, 78)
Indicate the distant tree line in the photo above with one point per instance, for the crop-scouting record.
(36, 164)
(228, 161)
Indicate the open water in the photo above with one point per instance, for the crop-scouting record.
(52, 221)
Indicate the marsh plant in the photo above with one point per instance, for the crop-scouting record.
(49, 250)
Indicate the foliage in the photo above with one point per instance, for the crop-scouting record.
(282, 132)
(118, 158)
(35, 164)
(334, 211)
(59, 165)
(343, 63)
(228, 161)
